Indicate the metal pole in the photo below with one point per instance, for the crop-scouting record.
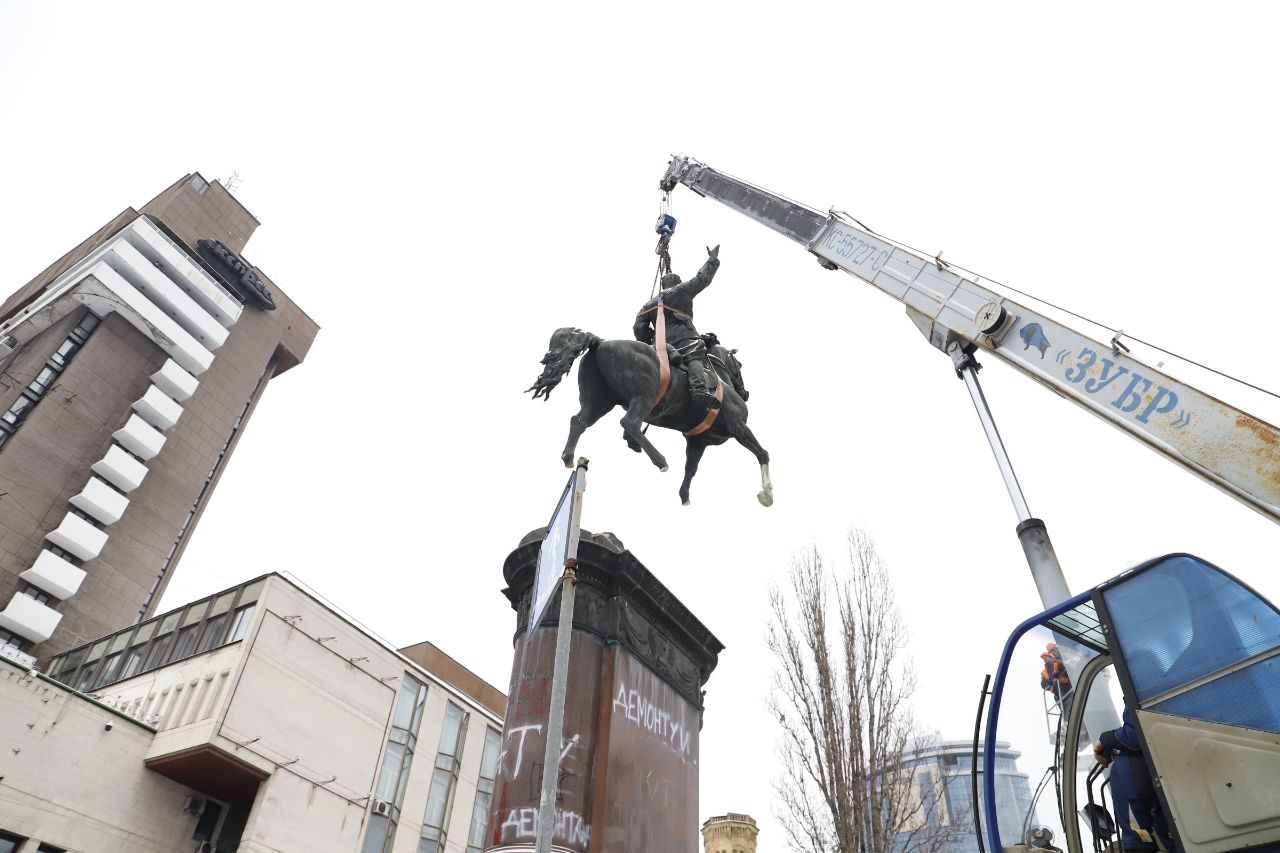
(1032, 533)
(969, 374)
(560, 674)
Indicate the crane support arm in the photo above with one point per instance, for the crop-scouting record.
(1231, 449)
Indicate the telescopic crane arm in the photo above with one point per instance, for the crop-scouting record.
(1231, 449)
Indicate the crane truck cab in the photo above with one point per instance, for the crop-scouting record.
(1194, 654)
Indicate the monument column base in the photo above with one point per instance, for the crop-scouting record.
(628, 776)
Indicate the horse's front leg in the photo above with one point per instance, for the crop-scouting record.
(592, 410)
(693, 450)
(577, 426)
(632, 421)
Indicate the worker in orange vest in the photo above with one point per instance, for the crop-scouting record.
(1054, 678)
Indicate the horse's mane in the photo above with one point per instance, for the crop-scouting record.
(566, 345)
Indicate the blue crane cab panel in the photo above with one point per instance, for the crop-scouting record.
(1196, 657)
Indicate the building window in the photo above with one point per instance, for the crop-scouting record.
(435, 822)
(84, 679)
(46, 379)
(9, 843)
(401, 742)
(132, 663)
(10, 639)
(212, 633)
(163, 642)
(109, 668)
(199, 184)
(484, 790)
(49, 848)
(186, 642)
(241, 623)
(37, 594)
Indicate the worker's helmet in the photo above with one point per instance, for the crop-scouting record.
(669, 281)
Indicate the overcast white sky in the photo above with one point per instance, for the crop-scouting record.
(442, 185)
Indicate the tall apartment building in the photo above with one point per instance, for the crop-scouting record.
(128, 370)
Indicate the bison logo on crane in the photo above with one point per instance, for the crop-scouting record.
(1033, 336)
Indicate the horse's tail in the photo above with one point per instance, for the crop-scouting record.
(566, 345)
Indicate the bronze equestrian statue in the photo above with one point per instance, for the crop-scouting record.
(627, 373)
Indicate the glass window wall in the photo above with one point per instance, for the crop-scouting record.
(394, 776)
(435, 822)
(197, 628)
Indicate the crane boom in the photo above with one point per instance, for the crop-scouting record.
(1231, 449)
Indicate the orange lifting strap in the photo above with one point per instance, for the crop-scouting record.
(711, 413)
(660, 341)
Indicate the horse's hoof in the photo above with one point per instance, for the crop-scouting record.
(684, 503)
(664, 468)
(765, 498)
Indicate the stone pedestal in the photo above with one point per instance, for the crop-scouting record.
(629, 754)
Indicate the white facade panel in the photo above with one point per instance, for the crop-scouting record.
(100, 501)
(156, 246)
(157, 409)
(120, 469)
(54, 575)
(29, 618)
(145, 316)
(160, 289)
(78, 537)
(139, 437)
(174, 381)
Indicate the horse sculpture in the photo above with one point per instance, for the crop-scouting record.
(626, 373)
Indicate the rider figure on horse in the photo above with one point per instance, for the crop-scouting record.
(677, 303)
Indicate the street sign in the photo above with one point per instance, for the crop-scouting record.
(555, 550)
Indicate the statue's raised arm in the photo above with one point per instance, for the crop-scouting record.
(699, 282)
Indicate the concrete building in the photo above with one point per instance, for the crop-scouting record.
(128, 370)
(945, 768)
(257, 719)
(730, 833)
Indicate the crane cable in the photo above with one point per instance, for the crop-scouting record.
(663, 249)
(1116, 332)
(666, 228)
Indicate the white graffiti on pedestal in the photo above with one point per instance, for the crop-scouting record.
(522, 825)
(646, 713)
(521, 732)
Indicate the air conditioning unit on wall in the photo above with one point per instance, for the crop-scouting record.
(382, 807)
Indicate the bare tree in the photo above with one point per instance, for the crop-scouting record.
(851, 748)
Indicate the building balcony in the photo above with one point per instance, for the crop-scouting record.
(174, 381)
(29, 618)
(156, 286)
(100, 501)
(157, 409)
(164, 254)
(79, 537)
(120, 469)
(105, 290)
(139, 438)
(54, 575)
